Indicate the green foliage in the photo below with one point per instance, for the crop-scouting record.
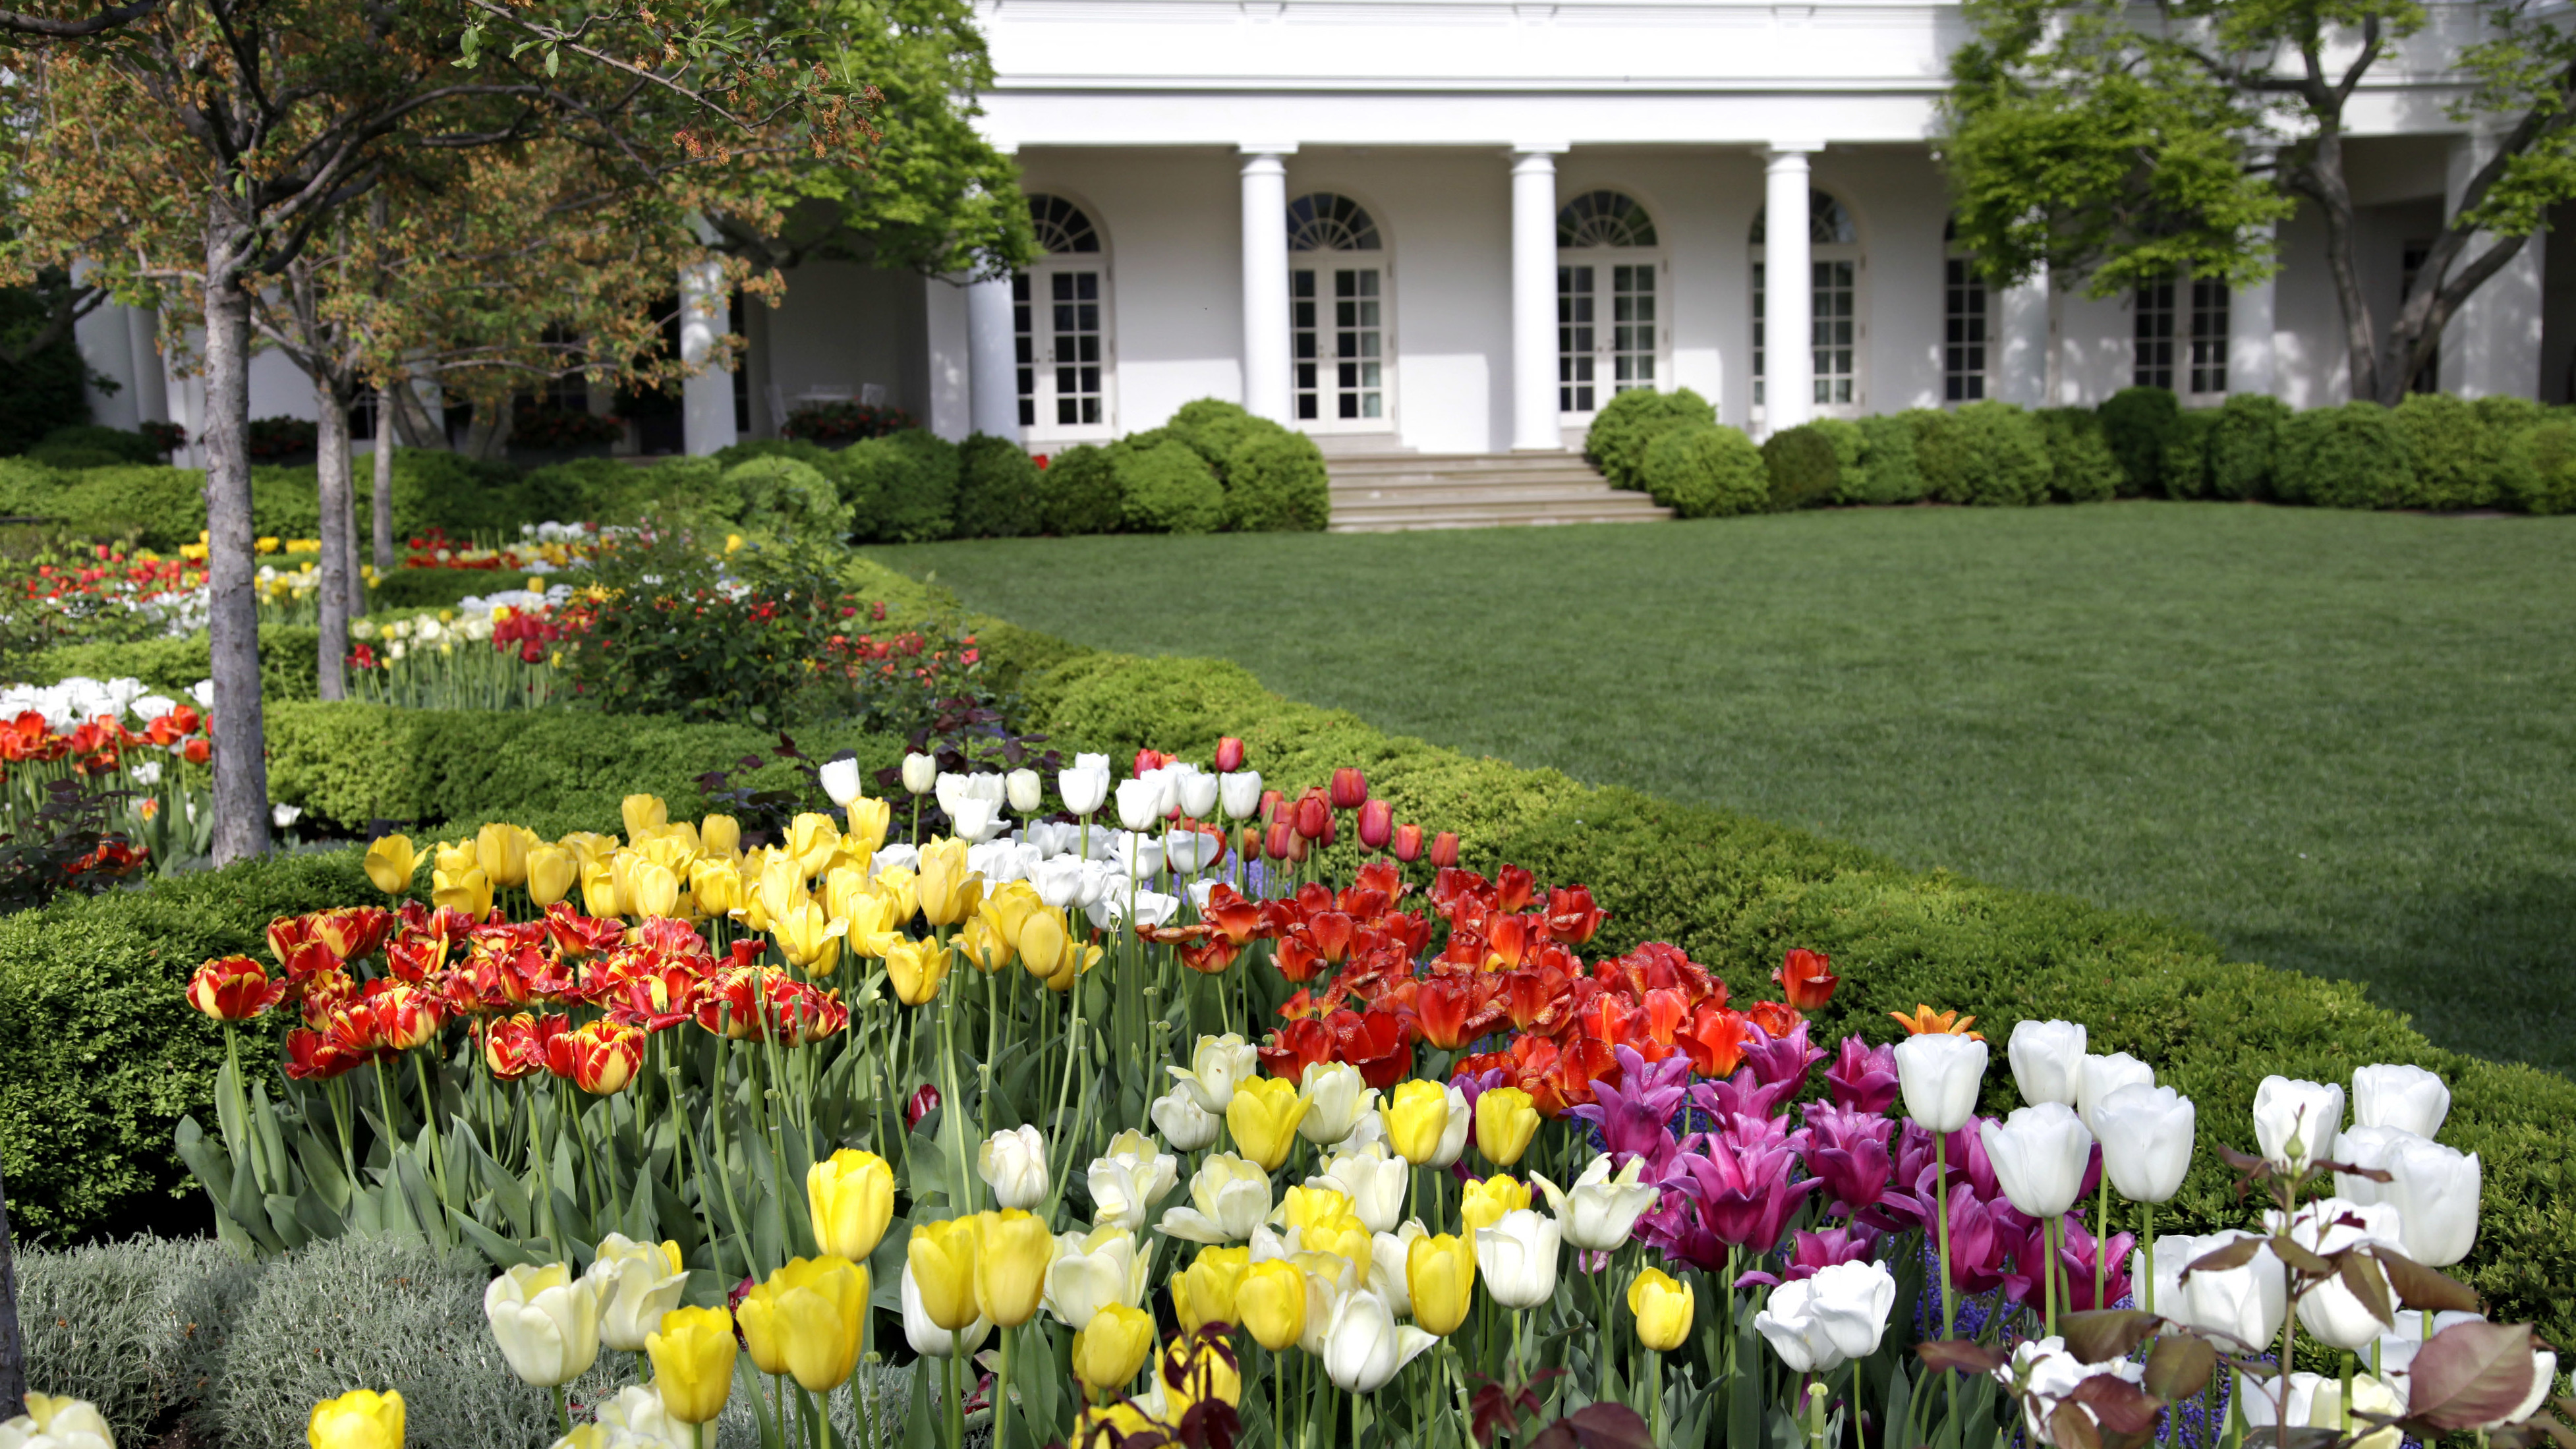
(1985, 453)
(2539, 473)
(135, 1327)
(1214, 428)
(1165, 487)
(2081, 468)
(1705, 471)
(1623, 430)
(2354, 456)
(2457, 454)
(1275, 483)
(2185, 469)
(158, 508)
(901, 488)
(788, 499)
(1078, 492)
(2507, 415)
(2243, 445)
(2138, 423)
(44, 392)
(997, 489)
(1805, 467)
(1887, 471)
(409, 589)
(288, 661)
(122, 445)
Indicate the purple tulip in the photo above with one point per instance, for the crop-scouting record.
(1848, 1149)
(1743, 1198)
(1633, 1115)
(1863, 1077)
(1741, 1096)
(1814, 1251)
(1783, 1059)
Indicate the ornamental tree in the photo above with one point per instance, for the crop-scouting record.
(2117, 144)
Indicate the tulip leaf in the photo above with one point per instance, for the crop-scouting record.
(2179, 1365)
(1964, 1354)
(927, 1405)
(2429, 1289)
(2289, 1251)
(2368, 1285)
(2069, 1427)
(2123, 1407)
(2469, 1374)
(503, 1252)
(2106, 1334)
(2235, 1255)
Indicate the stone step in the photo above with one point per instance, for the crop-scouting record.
(1358, 465)
(1454, 492)
(1485, 518)
(1394, 492)
(1499, 484)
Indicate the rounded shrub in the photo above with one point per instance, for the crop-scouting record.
(1988, 453)
(1275, 482)
(2080, 466)
(1214, 428)
(1623, 430)
(134, 1327)
(2353, 456)
(1802, 465)
(789, 499)
(901, 488)
(2457, 455)
(1078, 493)
(1707, 471)
(121, 445)
(2242, 442)
(2186, 463)
(1888, 472)
(997, 489)
(2137, 422)
(1167, 488)
(2508, 415)
(2539, 474)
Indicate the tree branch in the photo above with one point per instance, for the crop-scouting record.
(44, 27)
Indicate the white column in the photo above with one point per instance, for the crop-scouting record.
(1265, 282)
(151, 382)
(2492, 346)
(992, 364)
(1534, 412)
(706, 396)
(2019, 355)
(1788, 363)
(2252, 362)
(952, 397)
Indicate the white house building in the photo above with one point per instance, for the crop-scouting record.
(1459, 226)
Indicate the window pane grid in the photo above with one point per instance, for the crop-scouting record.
(2152, 350)
(1574, 336)
(1963, 347)
(1349, 335)
(1831, 330)
(1024, 351)
(1632, 329)
(2208, 336)
(1074, 301)
(1759, 291)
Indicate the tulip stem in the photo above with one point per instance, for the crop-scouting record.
(2147, 1235)
(1002, 1393)
(2051, 1233)
(563, 1415)
(437, 1158)
(2101, 1239)
(1941, 1215)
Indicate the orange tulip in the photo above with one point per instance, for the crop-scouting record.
(1806, 978)
(1925, 1019)
(233, 988)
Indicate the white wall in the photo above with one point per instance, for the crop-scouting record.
(843, 326)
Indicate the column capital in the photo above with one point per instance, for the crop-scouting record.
(1790, 153)
(1253, 153)
(1547, 149)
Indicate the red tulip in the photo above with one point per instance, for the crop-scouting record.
(1571, 915)
(1455, 1010)
(1294, 1047)
(1284, 843)
(1715, 1040)
(1238, 919)
(1314, 816)
(1150, 760)
(1249, 845)
(515, 1046)
(233, 988)
(1444, 850)
(1210, 957)
(1377, 824)
(406, 1016)
(352, 933)
(1776, 1018)
(1229, 755)
(600, 1057)
(285, 933)
(1408, 843)
(1350, 788)
(1513, 888)
(1806, 978)
(1271, 800)
(321, 995)
(313, 1056)
(1331, 933)
(197, 750)
(921, 1104)
(1297, 957)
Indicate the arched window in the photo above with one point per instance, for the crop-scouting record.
(1609, 318)
(1967, 321)
(1060, 326)
(1337, 318)
(1835, 271)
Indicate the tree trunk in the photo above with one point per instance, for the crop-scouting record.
(232, 616)
(13, 1344)
(383, 503)
(413, 423)
(339, 563)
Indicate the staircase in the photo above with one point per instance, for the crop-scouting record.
(1391, 492)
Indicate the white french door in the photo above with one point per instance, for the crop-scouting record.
(1340, 356)
(1061, 341)
(1609, 330)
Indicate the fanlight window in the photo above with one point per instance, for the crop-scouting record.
(1324, 222)
(1603, 219)
(1061, 226)
(1828, 224)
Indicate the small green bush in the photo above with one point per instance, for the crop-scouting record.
(1803, 465)
(70, 456)
(1078, 493)
(1706, 471)
(2185, 469)
(1989, 453)
(2539, 474)
(2138, 422)
(289, 657)
(46, 390)
(2507, 415)
(788, 499)
(2080, 466)
(901, 488)
(136, 1327)
(2243, 444)
(1275, 483)
(2353, 456)
(1165, 487)
(120, 444)
(1623, 430)
(1214, 428)
(1887, 472)
(997, 489)
(410, 589)
(2457, 455)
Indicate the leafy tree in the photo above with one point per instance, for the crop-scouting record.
(2118, 144)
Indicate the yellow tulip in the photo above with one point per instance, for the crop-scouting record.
(811, 839)
(1204, 1375)
(469, 891)
(679, 837)
(1486, 1199)
(359, 1419)
(1109, 1425)
(502, 851)
(693, 1355)
(1663, 1310)
(391, 863)
(809, 939)
(1042, 942)
(762, 1333)
(715, 886)
(1078, 960)
(869, 820)
(1007, 912)
(942, 1256)
(552, 873)
(599, 890)
(1305, 1207)
(590, 845)
(720, 835)
(915, 969)
(819, 1305)
(868, 925)
(984, 947)
(850, 1197)
(902, 890)
(1505, 1123)
(1203, 1292)
(1013, 1250)
(1440, 1276)
(1263, 1118)
(456, 857)
(657, 890)
(844, 888)
(949, 891)
(1110, 1349)
(644, 814)
(1343, 1237)
(1272, 1300)
(1416, 1116)
(782, 884)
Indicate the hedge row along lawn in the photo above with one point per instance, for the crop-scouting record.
(2332, 741)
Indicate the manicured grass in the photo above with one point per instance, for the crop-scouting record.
(2339, 742)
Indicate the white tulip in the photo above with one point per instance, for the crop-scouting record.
(2435, 1191)
(1083, 787)
(1819, 1324)
(2392, 1095)
(1388, 1254)
(638, 1417)
(1333, 1089)
(1198, 793)
(1516, 1258)
(2295, 1122)
(1229, 1198)
(2395, 1350)
(2039, 1155)
(1939, 1074)
(1373, 1179)
(1140, 803)
(637, 1284)
(920, 773)
(841, 781)
(2145, 1132)
(1013, 1162)
(1369, 1131)
(2244, 1304)
(1364, 1346)
(1183, 1121)
(1239, 793)
(2101, 1077)
(894, 857)
(1025, 791)
(1092, 1271)
(2047, 1060)
(1453, 1138)
(1059, 881)
(929, 1338)
(975, 821)
(1092, 762)
(1127, 1181)
(2047, 1375)
(2332, 1225)
(2316, 1402)
(1218, 1064)
(546, 1322)
(1187, 851)
(58, 1423)
(2364, 1147)
(1600, 1210)
(1051, 838)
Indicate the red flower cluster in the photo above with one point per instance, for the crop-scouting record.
(98, 745)
(113, 574)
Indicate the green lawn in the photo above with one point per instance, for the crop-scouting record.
(2340, 742)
